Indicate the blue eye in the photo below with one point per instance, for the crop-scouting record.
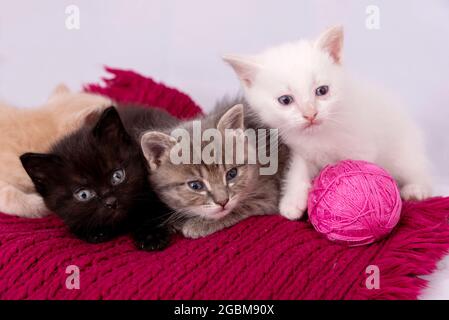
(196, 185)
(286, 100)
(118, 177)
(322, 91)
(231, 174)
(84, 195)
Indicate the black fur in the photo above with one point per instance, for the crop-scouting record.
(87, 159)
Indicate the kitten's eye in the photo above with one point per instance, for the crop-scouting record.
(118, 177)
(286, 100)
(84, 195)
(196, 185)
(231, 174)
(322, 91)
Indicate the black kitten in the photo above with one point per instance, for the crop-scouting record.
(96, 179)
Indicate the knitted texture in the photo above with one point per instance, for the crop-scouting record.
(263, 257)
(129, 87)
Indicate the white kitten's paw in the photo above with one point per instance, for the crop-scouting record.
(415, 192)
(293, 207)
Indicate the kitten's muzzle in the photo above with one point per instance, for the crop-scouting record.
(110, 202)
(222, 202)
(311, 117)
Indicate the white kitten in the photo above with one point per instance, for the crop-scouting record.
(324, 117)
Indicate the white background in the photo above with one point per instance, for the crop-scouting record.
(180, 43)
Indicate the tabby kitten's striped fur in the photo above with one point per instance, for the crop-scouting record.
(209, 197)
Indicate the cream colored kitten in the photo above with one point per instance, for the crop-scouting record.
(35, 130)
(324, 116)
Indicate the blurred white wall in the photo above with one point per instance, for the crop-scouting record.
(180, 43)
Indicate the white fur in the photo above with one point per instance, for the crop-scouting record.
(437, 287)
(355, 121)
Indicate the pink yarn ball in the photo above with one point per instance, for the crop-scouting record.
(354, 202)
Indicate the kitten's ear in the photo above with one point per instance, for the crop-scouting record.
(59, 90)
(245, 67)
(331, 41)
(156, 147)
(41, 167)
(233, 119)
(88, 116)
(110, 127)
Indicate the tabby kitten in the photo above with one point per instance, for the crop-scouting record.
(210, 197)
(95, 179)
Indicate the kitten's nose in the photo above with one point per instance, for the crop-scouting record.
(110, 202)
(310, 116)
(222, 202)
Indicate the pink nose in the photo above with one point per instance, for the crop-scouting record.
(222, 202)
(310, 117)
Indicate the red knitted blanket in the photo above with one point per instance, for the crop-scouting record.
(260, 258)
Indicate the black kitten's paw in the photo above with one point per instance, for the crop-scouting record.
(97, 237)
(154, 241)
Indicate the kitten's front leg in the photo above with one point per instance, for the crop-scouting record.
(196, 228)
(16, 202)
(151, 239)
(296, 187)
(94, 236)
